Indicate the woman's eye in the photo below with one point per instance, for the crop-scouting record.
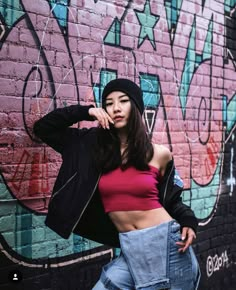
(124, 101)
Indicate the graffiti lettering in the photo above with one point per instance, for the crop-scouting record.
(215, 263)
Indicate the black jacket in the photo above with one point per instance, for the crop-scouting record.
(75, 204)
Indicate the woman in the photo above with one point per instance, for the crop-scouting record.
(117, 188)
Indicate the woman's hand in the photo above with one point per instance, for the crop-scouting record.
(102, 117)
(187, 236)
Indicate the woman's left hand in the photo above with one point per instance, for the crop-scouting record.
(187, 236)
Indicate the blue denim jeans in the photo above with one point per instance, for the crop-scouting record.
(149, 260)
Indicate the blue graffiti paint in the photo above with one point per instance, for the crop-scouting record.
(172, 12)
(151, 90)
(60, 11)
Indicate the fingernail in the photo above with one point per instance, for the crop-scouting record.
(183, 238)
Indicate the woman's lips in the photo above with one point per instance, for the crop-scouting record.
(117, 119)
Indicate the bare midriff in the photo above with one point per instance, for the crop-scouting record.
(126, 221)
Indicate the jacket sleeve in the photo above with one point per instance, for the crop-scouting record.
(183, 214)
(53, 129)
(170, 192)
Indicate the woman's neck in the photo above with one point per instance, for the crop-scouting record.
(123, 142)
(122, 134)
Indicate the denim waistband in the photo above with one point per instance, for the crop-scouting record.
(147, 250)
(173, 226)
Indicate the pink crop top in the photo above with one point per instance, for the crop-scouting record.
(129, 190)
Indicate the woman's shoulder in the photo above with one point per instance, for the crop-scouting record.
(161, 150)
(162, 154)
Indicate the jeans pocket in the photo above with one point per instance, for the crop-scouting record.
(180, 264)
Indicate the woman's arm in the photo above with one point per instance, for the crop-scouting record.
(162, 156)
(53, 128)
(188, 221)
(174, 205)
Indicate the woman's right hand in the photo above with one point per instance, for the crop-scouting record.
(101, 116)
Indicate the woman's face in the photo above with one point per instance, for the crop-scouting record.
(118, 106)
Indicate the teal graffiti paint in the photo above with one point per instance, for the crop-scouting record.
(188, 69)
(147, 21)
(231, 114)
(193, 61)
(229, 4)
(81, 244)
(105, 77)
(172, 12)
(11, 11)
(23, 231)
(151, 90)
(113, 35)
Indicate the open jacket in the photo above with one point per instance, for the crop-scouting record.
(75, 204)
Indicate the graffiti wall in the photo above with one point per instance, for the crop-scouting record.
(60, 52)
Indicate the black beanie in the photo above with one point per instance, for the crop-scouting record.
(128, 87)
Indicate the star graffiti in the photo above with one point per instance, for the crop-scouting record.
(147, 21)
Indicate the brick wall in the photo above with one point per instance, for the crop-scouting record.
(56, 53)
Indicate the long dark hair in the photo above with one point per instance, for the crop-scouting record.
(139, 150)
